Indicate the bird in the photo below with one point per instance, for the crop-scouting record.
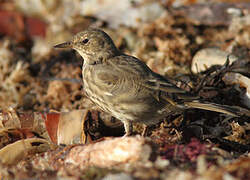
(126, 87)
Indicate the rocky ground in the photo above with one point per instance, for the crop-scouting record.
(50, 130)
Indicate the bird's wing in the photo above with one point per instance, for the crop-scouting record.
(157, 82)
(148, 78)
(139, 76)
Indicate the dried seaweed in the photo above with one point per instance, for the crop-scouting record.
(197, 144)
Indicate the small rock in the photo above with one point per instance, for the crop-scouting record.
(161, 163)
(111, 152)
(243, 81)
(208, 57)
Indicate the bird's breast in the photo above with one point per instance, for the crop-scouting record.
(92, 89)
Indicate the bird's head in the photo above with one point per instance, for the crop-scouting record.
(92, 45)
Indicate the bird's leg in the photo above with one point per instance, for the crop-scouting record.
(128, 128)
(145, 130)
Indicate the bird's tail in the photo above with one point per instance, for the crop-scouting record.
(234, 111)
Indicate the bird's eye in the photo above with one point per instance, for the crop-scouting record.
(85, 41)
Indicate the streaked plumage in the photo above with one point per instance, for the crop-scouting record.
(125, 87)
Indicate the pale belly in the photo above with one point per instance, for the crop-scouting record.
(129, 110)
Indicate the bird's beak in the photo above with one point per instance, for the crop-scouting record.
(64, 45)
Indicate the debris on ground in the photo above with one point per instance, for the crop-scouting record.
(49, 129)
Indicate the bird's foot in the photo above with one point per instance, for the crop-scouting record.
(145, 131)
(128, 128)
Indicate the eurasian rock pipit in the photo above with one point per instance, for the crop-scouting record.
(126, 87)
